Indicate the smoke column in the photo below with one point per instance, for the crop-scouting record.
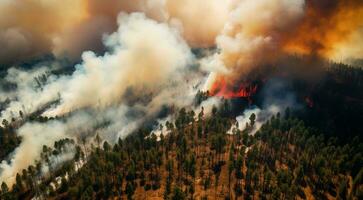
(263, 31)
(253, 36)
(328, 29)
(30, 28)
(125, 87)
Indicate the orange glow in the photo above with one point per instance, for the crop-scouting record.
(221, 87)
(322, 29)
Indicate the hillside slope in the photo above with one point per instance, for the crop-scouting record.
(198, 160)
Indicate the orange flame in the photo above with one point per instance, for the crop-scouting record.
(222, 88)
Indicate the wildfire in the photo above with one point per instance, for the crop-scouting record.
(222, 88)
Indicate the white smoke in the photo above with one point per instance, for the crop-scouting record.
(34, 136)
(28, 96)
(252, 35)
(146, 67)
(114, 94)
(67, 154)
(70, 27)
(205, 106)
(144, 55)
(262, 115)
(277, 97)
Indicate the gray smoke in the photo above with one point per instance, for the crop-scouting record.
(147, 68)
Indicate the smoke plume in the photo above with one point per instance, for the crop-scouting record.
(67, 28)
(135, 67)
(326, 28)
(261, 32)
(145, 70)
(253, 36)
(107, 78)
(30, 28)
(34, 136)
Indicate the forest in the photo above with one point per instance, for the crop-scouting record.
(198, 156)
(181, 99)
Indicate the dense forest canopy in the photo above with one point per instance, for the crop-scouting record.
(285, 159)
